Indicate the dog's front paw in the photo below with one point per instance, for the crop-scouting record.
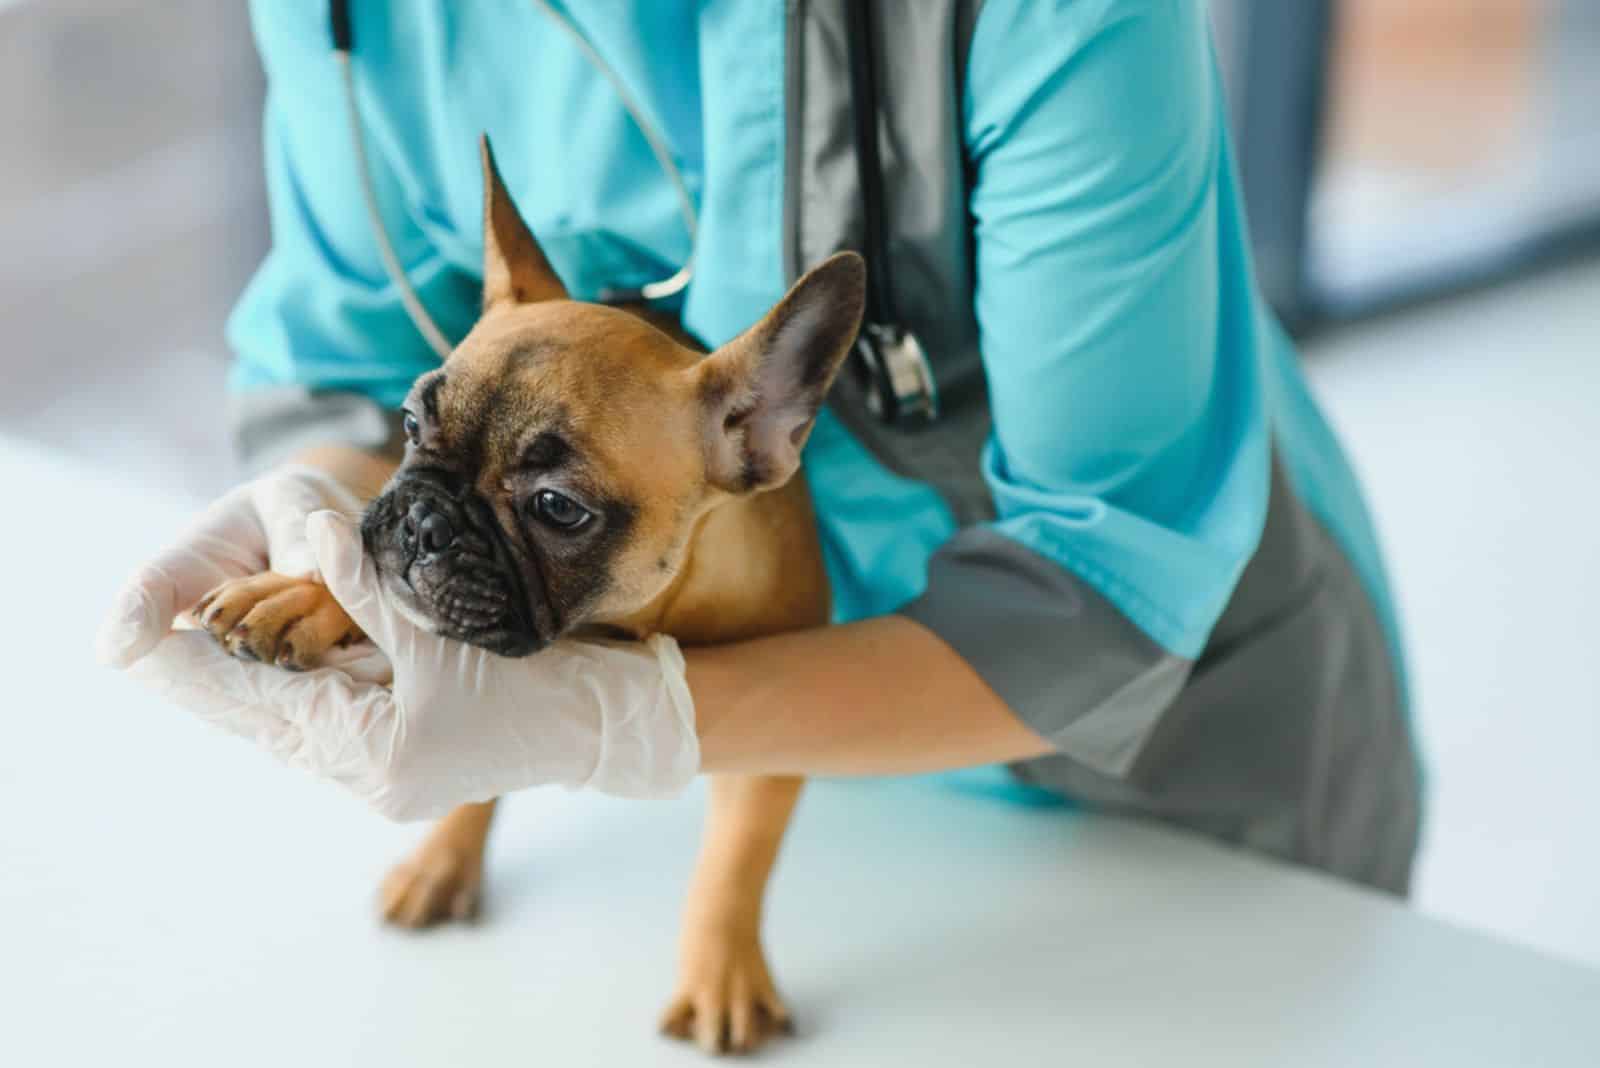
(276, 619)
(439, 882)
(726, 1001)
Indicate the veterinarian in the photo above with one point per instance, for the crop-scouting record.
(1080, 513)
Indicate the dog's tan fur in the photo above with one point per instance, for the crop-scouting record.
(706, 562)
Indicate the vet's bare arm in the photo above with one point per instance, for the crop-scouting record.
(880, 697)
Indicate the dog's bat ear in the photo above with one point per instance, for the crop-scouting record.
(515, 270)
(761, 391)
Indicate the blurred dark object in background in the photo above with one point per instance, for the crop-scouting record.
(1397, 150)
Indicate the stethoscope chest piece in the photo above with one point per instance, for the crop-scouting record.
(895, 374)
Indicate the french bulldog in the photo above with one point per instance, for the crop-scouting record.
(575, 468)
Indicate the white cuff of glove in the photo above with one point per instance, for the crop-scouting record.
(648, 745)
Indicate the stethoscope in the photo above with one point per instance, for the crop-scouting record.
(894, 371)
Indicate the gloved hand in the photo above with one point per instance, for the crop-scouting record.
(258, 526)
(459, 724)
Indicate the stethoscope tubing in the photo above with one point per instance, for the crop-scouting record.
(343, 48)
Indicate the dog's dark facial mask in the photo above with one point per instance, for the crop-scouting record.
(557, 465)
(455, 570)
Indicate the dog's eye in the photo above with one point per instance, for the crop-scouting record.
(555, 510)
(413, 429)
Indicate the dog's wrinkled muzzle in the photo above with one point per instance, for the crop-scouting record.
(438, 541)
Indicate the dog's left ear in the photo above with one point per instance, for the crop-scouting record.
(515, 270)
(761, 391)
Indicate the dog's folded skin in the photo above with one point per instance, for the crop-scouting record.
(573, 469)
(471, 589)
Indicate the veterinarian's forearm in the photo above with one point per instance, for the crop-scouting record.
(879, 697)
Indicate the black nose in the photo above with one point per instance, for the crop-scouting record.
(422, 524)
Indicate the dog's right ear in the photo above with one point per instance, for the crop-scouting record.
(515, 270)
(761, 391)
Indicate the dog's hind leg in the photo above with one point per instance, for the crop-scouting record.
(726, 1000)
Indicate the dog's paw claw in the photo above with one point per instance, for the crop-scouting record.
(275, 619)
(238, 644)
(289, 657)
(438, 884)
(726, 1001)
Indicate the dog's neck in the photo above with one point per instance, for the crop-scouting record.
(753, 566)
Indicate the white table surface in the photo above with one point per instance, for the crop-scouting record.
(170, 896)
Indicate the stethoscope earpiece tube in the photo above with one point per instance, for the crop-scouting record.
(342, 36)
(679, 280)
(339, 26)
(369, 195)
(343, 41)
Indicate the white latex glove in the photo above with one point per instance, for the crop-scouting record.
(258, 526)
(459, 724)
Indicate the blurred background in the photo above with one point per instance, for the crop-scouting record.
(1423, 181)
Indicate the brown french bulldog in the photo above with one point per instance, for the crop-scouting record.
(577, 468)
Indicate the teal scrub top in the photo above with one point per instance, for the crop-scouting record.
(1138, 382)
